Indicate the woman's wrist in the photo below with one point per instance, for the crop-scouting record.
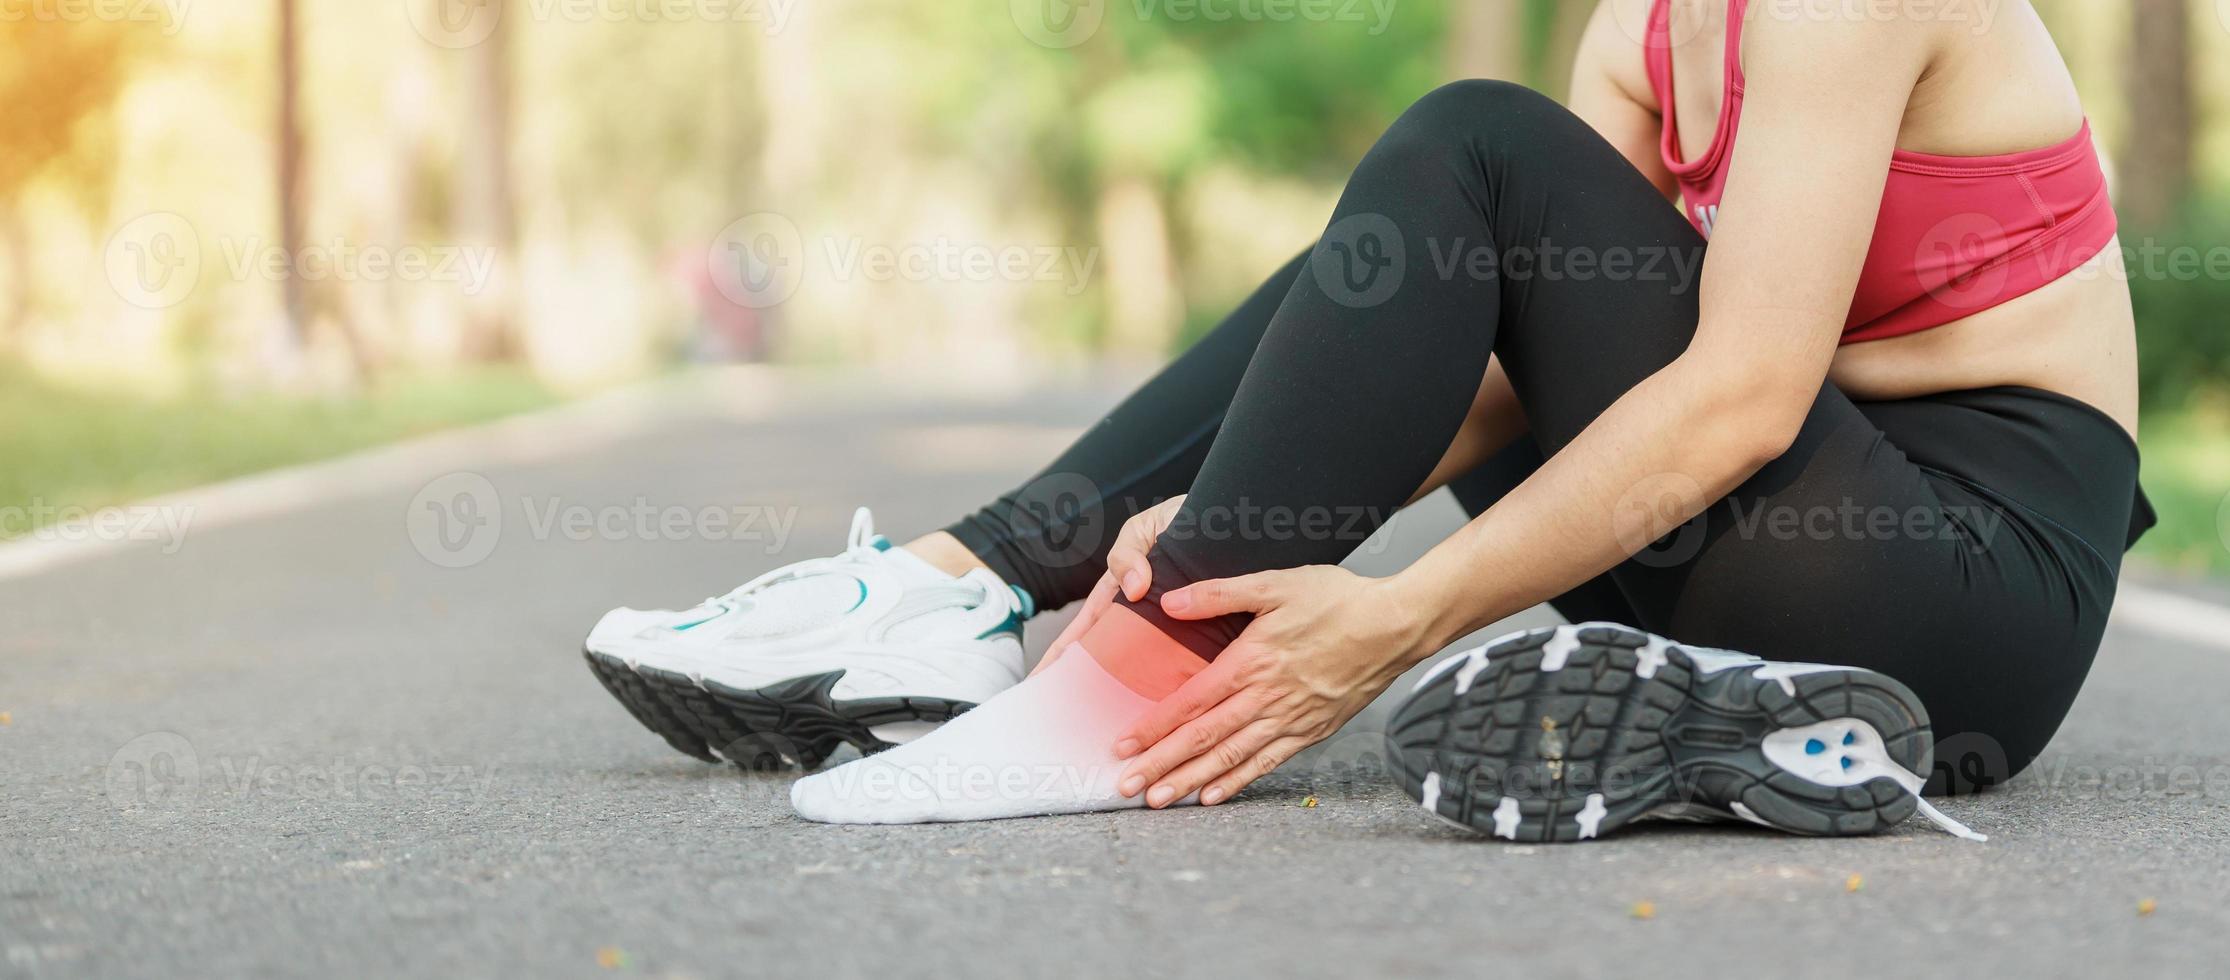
(1429, 614)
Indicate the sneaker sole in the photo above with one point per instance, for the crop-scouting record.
(1567, 733)
(646, 706)
(798, 721)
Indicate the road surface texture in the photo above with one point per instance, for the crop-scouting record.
(299, 743)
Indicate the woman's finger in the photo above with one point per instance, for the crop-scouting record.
(1126, 564)
(1204, 690)
(1095, 603)
(1198, 737)
(1265, 760)
(1126, 560)
(1256, 593)
(1223, 757)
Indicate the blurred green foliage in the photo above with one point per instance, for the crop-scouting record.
(2187, 475)
(2184, 371)
(2182, 301)
(1303, 101)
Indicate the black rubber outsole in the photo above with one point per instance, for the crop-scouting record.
(646, 706)
(796, 722)
(1581, 750)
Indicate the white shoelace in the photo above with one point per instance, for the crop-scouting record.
(1943, 820)
(859, 548)
(1911, 782)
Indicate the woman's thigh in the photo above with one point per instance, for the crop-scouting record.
(1846, 551)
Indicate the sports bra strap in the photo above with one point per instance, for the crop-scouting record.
(1657, 48)
(1736, 9)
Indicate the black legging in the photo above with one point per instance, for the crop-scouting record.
(1966, 543)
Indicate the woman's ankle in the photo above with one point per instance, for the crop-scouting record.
(945, 553)
(1137, 655)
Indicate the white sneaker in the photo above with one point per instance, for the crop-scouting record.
(871, 646)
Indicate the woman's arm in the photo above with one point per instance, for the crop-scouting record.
(1823, 109)
(1610, 89)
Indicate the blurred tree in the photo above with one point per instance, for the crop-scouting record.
(303, 302)
(2157, 161)
(1552, 38)
(294, 297)
(485, 200)
(58, 80)
(1527, 41)
(1486, 39)
(1274, 97)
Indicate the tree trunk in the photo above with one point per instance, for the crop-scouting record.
(2157, 162)
(15, 233)
(487, 212)
(1486, 39)
(1144, 309)
(1556, 33)
(293, 298)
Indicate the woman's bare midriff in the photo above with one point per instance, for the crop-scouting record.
(2075, 337)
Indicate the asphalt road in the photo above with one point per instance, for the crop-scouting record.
(299, 744)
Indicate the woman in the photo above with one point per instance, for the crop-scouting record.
(1888, 428)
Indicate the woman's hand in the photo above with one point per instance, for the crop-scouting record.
(1126, 570)
(1323, 643)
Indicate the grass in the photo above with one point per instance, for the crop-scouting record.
(2187, 474)
(63, 446)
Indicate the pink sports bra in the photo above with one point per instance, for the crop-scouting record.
(1955, 236)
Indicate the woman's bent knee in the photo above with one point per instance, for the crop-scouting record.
(1460, 126)
(1476, 106)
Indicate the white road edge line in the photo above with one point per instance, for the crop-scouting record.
(733, 392)
(2172, 616)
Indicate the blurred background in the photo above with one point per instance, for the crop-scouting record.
(244, 234)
